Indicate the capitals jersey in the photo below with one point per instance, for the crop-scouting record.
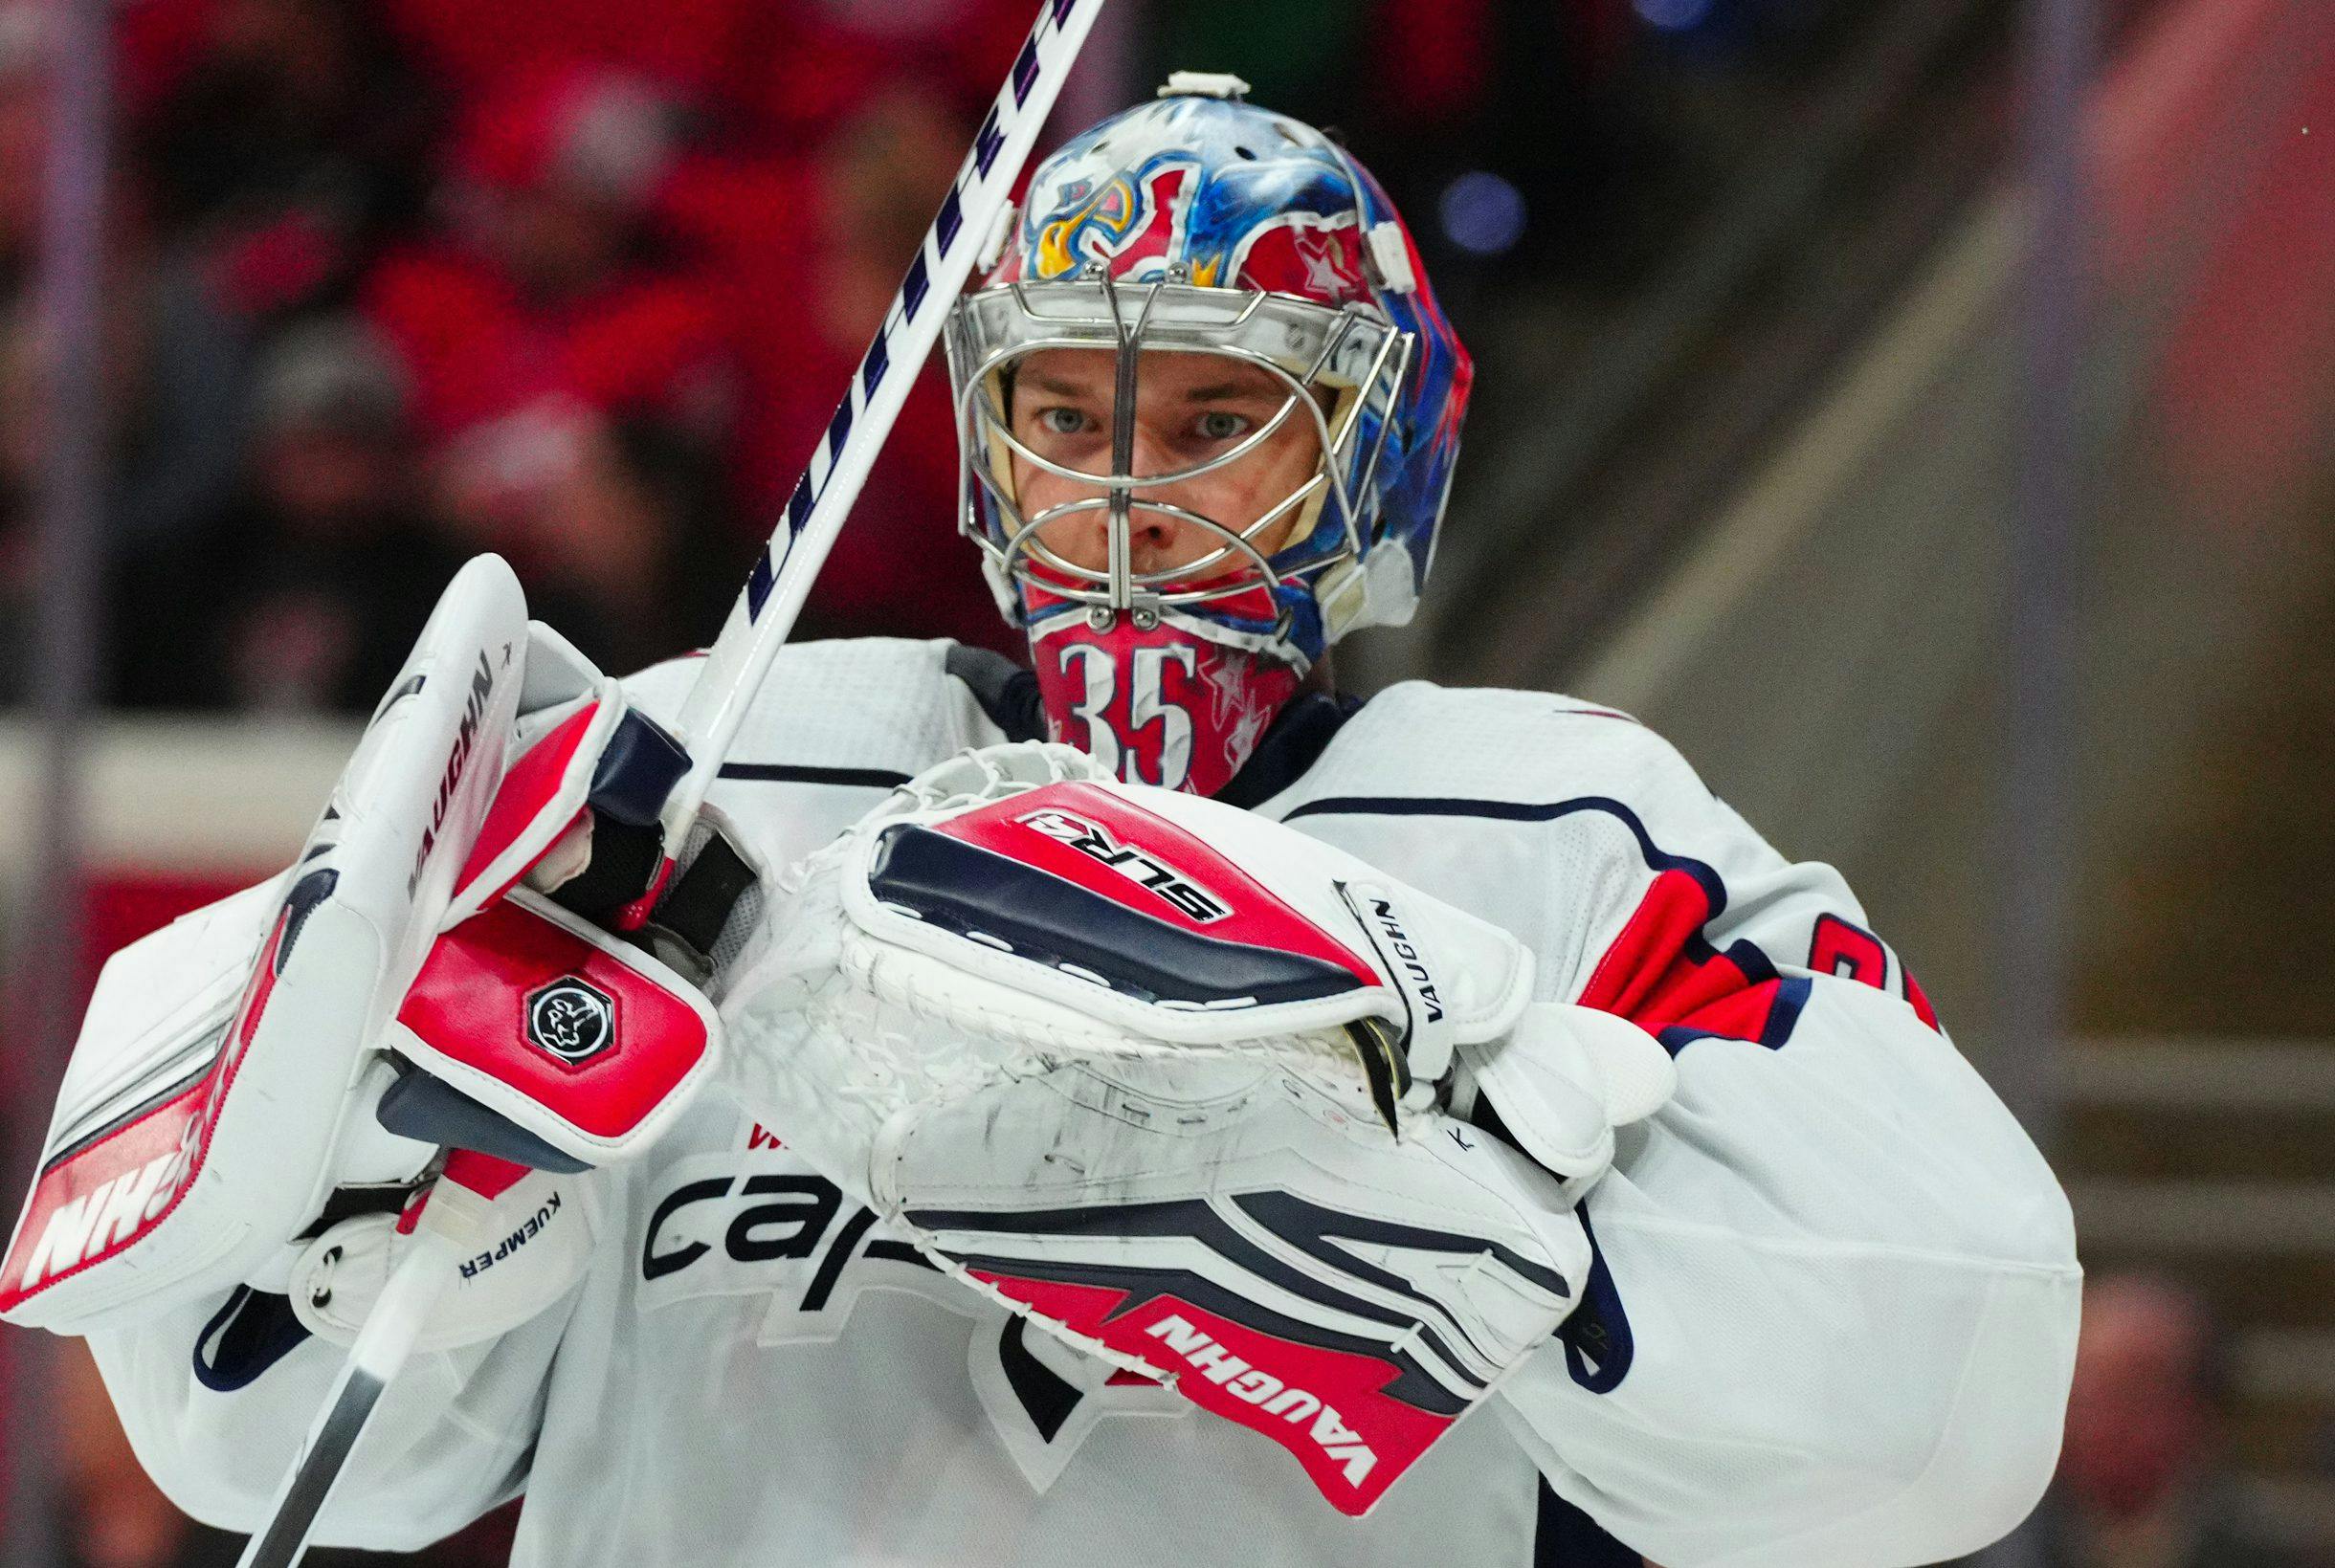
(1830, 1322)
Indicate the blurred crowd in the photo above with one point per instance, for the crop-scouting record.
(389, 283)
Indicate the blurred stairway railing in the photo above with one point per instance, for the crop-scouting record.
(1584, 494)
(2214, 1158)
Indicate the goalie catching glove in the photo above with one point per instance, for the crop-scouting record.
(1166, 1078)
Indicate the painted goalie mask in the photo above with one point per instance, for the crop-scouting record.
(1165, 638)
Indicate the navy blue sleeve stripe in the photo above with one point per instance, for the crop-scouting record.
(1431, 805)
(253, 1331)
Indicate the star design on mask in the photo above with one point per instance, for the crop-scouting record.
(1324, 262)
(1233, 709)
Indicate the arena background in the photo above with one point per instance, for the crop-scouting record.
(1923, 410)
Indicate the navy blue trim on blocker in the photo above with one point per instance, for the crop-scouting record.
(144, 1107)
(1745, 954)
(637, 771)
(430, 1109)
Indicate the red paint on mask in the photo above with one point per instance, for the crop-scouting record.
(1158, 707)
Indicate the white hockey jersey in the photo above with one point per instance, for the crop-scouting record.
(1831, 1323)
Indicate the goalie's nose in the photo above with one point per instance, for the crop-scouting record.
(1159, 541)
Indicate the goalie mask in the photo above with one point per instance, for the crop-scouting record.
(1181, 557)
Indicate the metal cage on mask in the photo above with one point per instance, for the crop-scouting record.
(1339, 367)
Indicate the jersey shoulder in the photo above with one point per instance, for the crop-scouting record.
(1588, 836)
(871, 706)
(835, 726)
(1499, 748)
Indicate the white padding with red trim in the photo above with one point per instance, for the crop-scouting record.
(568, 711)
(567, 1029)
(202, 1182)
(1153, 879)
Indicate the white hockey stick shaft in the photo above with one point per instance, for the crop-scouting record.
(774, 592)
(452, 1225)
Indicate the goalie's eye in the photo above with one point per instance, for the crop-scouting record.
(1222, 424)
(1061, 419)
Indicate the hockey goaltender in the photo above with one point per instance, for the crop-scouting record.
(1146, 1108)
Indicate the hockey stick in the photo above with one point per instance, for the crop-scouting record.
(766, 610)
(452, 1225)
(741, 656)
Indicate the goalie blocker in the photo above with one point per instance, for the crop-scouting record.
(396, 990)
